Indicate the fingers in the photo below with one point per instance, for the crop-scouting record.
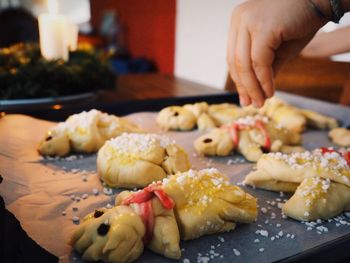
(249, 65)
(245, 71)
(262, 59)
(231, 43)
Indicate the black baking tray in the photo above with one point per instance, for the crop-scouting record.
(336, 251)
(121, 108)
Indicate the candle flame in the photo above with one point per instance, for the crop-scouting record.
(52, 6)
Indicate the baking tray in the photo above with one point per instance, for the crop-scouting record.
(296, 243)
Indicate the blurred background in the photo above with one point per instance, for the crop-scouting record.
(184, 38)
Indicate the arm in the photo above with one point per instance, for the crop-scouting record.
(328, 44)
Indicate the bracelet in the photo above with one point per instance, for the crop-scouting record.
(337, 10)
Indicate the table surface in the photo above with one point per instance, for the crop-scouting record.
(154, 86)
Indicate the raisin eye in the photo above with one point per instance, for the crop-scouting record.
(48, 138)
(176, 113)
(103, 229)
(98, 213)
(265, 150)
(207, 140)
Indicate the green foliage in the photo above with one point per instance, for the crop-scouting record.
(25, 74)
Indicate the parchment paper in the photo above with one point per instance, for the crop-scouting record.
(38, 190)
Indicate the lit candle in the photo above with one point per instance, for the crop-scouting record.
(53, 33)
(72, 38)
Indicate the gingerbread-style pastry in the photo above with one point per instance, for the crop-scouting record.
(250, 136)
(186, 205)
(85, 132)
(340, 136)
(176, 118)
(320, 179)
(135, 160)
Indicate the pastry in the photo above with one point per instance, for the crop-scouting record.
(293, 118)
(136, 160)
(85, 132)
(205, 122)
(318, 198)
(320, 180)
(197, 108)
(340, 136)
(187, 205)
(250, 136)
(226, 113)
(176, 118)
(206, 116)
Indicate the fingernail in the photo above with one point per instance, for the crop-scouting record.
(256, 104)
(243, 101)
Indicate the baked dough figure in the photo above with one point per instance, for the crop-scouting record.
(85, 132)
(206, 116)
(320, 180)
(187, 205)
(200, 114)
(136, 160)
(293, 118)
(250, 136)
(340, 136)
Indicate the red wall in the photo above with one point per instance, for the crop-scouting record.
(150, 27)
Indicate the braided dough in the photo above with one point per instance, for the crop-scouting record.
(136, 160)
(294, 118)
(340, 136)
(186, 205)
(84, 132)
(320, 180)
(250, 136)
(206, 116)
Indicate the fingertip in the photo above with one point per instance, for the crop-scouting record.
(268, 93)
(244, 100)
(269, 90)
(258, 103)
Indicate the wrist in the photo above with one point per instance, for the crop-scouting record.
(345, 5)
(325, 7)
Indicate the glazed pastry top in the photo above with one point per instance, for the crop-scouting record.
(320, 160)
(132, 146)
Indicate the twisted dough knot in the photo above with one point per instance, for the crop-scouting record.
(141, 202)
(345, 154)
(234, 129)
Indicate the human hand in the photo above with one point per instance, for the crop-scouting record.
(264, 34)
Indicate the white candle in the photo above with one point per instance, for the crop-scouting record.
(53, 33)
(72, 38)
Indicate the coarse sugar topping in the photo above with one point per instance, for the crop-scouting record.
(251, 120)
(202, 187)
(137, 144)
(319, 160)
(314, 188)
(81, 122)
